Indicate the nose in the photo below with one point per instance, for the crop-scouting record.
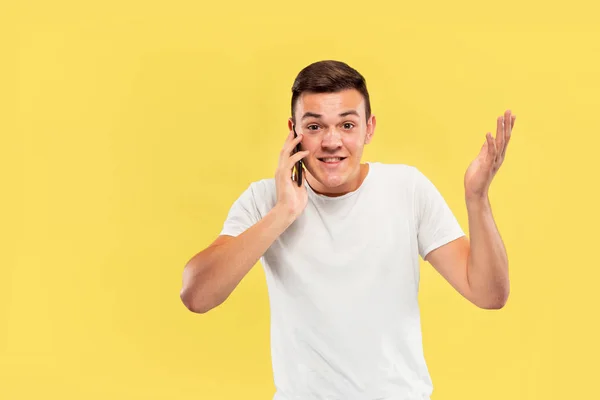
(332, 139)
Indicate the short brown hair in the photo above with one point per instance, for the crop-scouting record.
(329, 76)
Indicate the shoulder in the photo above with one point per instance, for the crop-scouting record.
(263, 188)
(257, 192)
(263, 193)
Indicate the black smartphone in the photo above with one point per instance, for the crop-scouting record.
(298, 165)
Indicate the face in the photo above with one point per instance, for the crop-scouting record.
(335, 132)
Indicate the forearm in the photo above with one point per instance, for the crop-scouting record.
(487, 266)
(211, 275)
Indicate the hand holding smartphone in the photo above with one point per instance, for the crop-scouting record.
(298, 165)
(292, 196)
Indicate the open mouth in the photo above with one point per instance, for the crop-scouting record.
(332, 160)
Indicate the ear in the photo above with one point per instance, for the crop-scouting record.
(370, 129)
(290, 123)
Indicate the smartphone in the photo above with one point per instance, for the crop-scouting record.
(298, 165)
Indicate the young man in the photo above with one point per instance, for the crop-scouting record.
(340, 252)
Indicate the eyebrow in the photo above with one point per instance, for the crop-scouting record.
(315, 115)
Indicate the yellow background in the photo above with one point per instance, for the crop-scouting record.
(129, 128)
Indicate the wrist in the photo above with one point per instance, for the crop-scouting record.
(283, 215)
(479, 201)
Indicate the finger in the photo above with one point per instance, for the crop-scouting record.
(295, 158)
(484, 148)
(288, 138)
(507, 123)
(491, 145)
(292, 144)
(303, 175)
(512, 123)
(303, 178)
(289, 146)
(500, 133)
(290, 165)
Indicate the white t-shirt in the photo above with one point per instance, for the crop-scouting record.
(343, 285)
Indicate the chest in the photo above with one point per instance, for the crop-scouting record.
(345, 252)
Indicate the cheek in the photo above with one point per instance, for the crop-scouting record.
(353, 144)
(310, 145)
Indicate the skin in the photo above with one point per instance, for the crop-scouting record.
(476, 268)
(212, 274)
(327, 133)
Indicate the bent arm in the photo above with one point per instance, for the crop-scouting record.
(476, 268)
(211, 275)
(487, 265)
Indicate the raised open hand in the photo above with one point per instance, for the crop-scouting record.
(482, 170)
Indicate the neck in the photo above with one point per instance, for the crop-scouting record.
(353, 184)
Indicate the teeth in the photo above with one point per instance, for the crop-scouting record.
(332, 159)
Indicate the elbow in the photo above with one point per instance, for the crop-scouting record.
(189, 303)
(196, 297)
(497, 305)
(202, 288)
(193, 292)
(193, 303)
(495, 302)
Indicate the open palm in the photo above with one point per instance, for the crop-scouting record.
(482, 170)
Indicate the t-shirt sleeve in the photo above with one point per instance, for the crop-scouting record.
(242, 214)
(436, 224)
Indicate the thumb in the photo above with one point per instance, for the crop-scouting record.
(484, 149)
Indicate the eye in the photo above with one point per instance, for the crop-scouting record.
(309, 127)
(348, 125)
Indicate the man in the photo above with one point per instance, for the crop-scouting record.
(340, 251)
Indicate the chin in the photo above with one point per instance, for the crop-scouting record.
(331, 179)
(332, 182)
